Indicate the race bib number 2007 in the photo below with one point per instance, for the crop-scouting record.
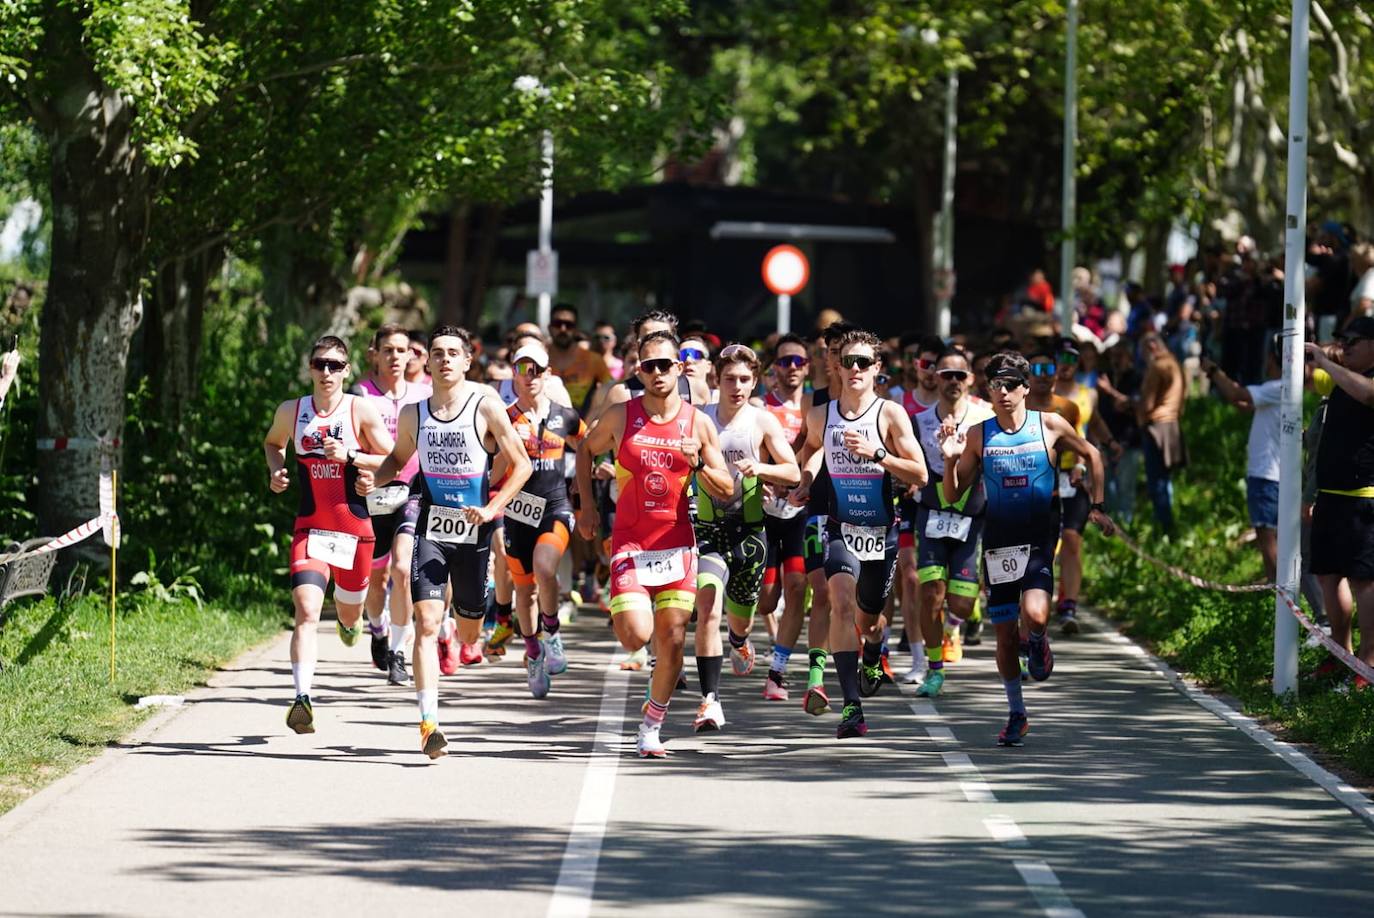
(865, 543)
(450, 524)
(1006, 565)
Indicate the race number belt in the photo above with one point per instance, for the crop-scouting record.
(1006, 565)
(866, 543)
(337, 549)
(450, 524)
(1066, 488)
(655, 568)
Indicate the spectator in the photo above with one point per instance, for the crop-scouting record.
(1159, 411)
(1039, 294)
(9, 368)
(1343, 518)
(1362, 267)
(1117, 387)
(1262, 449)
(1328, 288)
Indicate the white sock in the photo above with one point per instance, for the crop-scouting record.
(374, 619)
(918, 653)
(429, 704)
(398, 636)
(302, 674)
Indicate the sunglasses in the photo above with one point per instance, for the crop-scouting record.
(528, 368)
(562, 323)
(954, 375)
(857, 361)
(691, 354)
(882, 379)
(604, 338)
(657, 365)
(924, 363)
(731, 351)
(325, 365)
(1043, 369)
(792, 362)
(1068, 358)
(1005, 385)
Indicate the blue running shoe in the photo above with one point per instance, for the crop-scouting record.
(558, 658)
(1041, 661)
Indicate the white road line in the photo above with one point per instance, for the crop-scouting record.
(1341, 792)
(572, 896)
(1044, 885)
(1004, 829)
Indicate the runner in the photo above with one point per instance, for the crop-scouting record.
(455, 433)
(692, 391)
(659, 441)
(785, 524)
(920, 387)
(418, 360)
(948, 531)
(1012, 452)
(580, 368)
(730, 533)
(540, 518)
(393, 509)
(338, 439)
(863, 441)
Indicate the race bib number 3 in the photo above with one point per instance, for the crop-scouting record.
(526, 508)
(941, 524)
(866, 543)
(450, 524)
(1006, 565)
(337, 549)
(384, 501)
(655, 568)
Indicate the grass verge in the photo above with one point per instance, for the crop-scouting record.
(58, 707)
(1224, 641)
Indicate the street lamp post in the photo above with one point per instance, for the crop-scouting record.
(530, 85)
(1069, 203)
(944, 232)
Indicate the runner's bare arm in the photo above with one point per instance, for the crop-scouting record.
(783, 470)
(510, 445)
(1060, 432)
(603, 435)
(274, 446)
(715, 478)
(1360, 388)
(407, 426)
(375, 440)
(812, 455)
(905, 458)
(963, 454)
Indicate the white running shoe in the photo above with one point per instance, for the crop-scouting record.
(648, 744)
(537, 674)
(919, 667)
(710, 715)
(557, 663)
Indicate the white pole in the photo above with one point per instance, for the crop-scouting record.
(1069, 206)
(1294, 321)
(946, 242)
(784, 313)
(546, 221)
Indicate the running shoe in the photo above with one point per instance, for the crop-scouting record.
(1014, 733)
(931, 687)
(951, 649)
(1041, 661)
(919, 667)
(448, 660)
(775, 687)
(469, 654)
(710, 715)
(815, 701)
(648, 744)
(432, 742)
(1068, 622)
(1025, 668)
(558, 659)
(1330, 668)
(537, 674)
(742, 658)
(301, 717)
(870, 679)
(635, 661)
(851, 723)
(396, 668)
(381, 646)
(886, 667)
(500, 637)
(349, 636)
(973, 632)
(681, 681)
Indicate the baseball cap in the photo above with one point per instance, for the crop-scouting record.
(1358, 328)
(533, 352)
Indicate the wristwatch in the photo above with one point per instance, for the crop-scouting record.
(1099, 507)
(879, 454)
(698, 465)
(351, 455)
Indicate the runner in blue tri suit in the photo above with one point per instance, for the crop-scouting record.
(1015, 450)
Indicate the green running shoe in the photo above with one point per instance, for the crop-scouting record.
(851, 723)
(301, 717)
(349, 636)
(870, 679)
(934, 681)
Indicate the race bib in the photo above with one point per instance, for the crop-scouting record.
(526, 508)
(941, 524)
(779, 508)
(450, 524)
(865, 543)
(655, 568)
(1066, 488)
(337, 549)
(388, 500)
(1006, 565)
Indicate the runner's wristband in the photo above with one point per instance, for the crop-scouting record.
(1099, 507)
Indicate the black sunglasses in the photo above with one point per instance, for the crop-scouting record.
(562, 323)
(859, 361)
(956, 375)
(657, 365)
(325, 365)
(792, 361)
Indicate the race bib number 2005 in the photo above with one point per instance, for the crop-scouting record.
(450, 524)
(866, 543)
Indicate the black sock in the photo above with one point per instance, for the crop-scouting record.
(550, 623)
(503, 613)
(872, 653)
(847, 668)
(738, 640)
(708, 669)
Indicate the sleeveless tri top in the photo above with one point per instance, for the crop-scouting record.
(329, 496)
(390, 409)
(793, 421)
(738, 440)
(455, 470)
(861, 491)
(1020, 481)
(652, 474)
(927, 429)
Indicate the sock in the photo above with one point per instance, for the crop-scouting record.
(503, 613)
(882, 647)
(1036, 639)
(428, 700)
(708, 670)
(654, 713)
(1013, 687)
(872, 654)
(533, 648)
(918, 650)
(781, 655)
(302, 674)
(550, 622)
(398, 637)
(953, 621)
(376, 621)
(816, 676)
(847, 668)
(936, 665)
(738, 641)
(935, 655)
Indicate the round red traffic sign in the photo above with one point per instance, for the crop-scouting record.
(785, 270)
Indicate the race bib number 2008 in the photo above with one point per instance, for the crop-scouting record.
(450, 524)
(866, 543)
(526, 508)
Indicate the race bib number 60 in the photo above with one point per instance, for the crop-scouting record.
(450, 524)
(865, 543)
(1006, 565)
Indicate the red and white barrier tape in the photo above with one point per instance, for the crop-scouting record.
(61, 443)
(1349, 659)
(66, 540)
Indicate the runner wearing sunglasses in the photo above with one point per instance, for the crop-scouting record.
(864, 442)
(418, 362)
(338, 440)
(455, 433)
(580, 368)
(730, 533)
(1012, 453)
(659, 441)
(919, 389)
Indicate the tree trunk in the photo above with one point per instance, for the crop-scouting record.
(99, 230)
(481, 270)
(455, 264)
(172, 332)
